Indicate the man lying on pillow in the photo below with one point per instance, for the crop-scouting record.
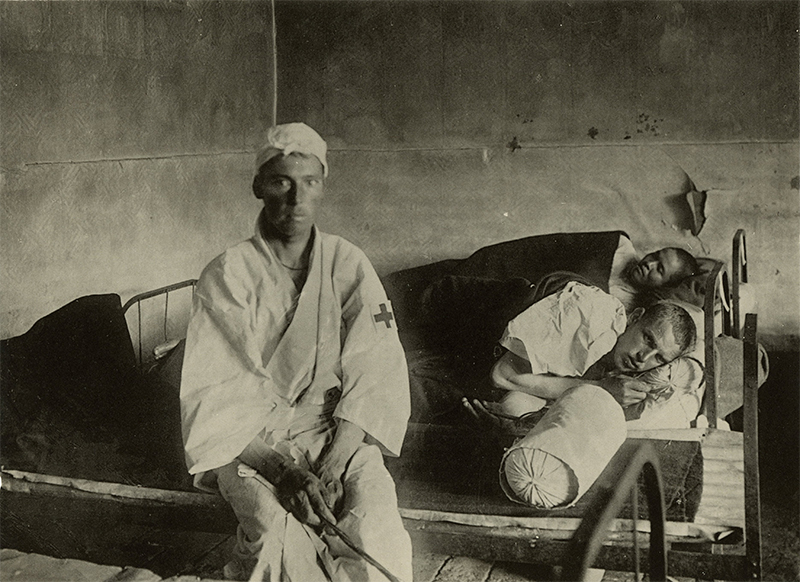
(634, 281)
(582, 335)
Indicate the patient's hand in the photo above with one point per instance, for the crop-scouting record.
(303, 494)
(625, 390)
(492, 419)
(330, 474)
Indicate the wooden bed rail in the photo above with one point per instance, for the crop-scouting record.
(30, 495)
(716, 287)
(752, 481)
(618, 482)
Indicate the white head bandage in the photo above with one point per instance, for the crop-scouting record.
(290, 138)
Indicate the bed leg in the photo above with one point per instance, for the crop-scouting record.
(752, 490)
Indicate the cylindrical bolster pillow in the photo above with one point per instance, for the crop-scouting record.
(559, 459)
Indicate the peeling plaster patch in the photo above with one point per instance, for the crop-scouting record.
(689, 205)
(697, 204)
(795, 183)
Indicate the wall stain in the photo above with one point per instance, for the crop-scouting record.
(795, 183)
(514, 144)
(592, 133)
(648, 125)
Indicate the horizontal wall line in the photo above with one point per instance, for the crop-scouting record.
(562, 145)
(141, 158)
(476, 148)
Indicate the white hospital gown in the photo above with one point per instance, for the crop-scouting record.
(264, 361)
(563, 335)
(566, 332)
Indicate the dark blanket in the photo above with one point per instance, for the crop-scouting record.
(78, 360)
(589, 254)
(451, 314)
(494, 274)
(74, 403)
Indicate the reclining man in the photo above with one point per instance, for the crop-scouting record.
(466, 314)
(294, 382)
(632, 280)
(578, 335)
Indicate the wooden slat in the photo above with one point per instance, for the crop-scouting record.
(671, 434)
(723, 470)
(752, 483)
(723, 479)
(730, 455)
(139, 505)
(724, 438)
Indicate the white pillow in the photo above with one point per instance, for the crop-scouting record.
(676, 397)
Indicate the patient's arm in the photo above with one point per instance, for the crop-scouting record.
(512, 372)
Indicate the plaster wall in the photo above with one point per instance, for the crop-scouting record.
(457, 124)
(128, 130)
(127, 137)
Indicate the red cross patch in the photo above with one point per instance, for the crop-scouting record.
(382, 316)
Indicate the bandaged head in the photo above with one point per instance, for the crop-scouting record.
(290, 138)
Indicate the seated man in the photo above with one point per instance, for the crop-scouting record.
(294, 382)
(582, 334)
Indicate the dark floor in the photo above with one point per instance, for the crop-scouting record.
(779, 460)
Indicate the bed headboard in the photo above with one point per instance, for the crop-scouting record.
(739, 266)
(157, 319)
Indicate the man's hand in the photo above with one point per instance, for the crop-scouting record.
(330, 474)
(627, 391)
(304, 495)
(334, 459)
